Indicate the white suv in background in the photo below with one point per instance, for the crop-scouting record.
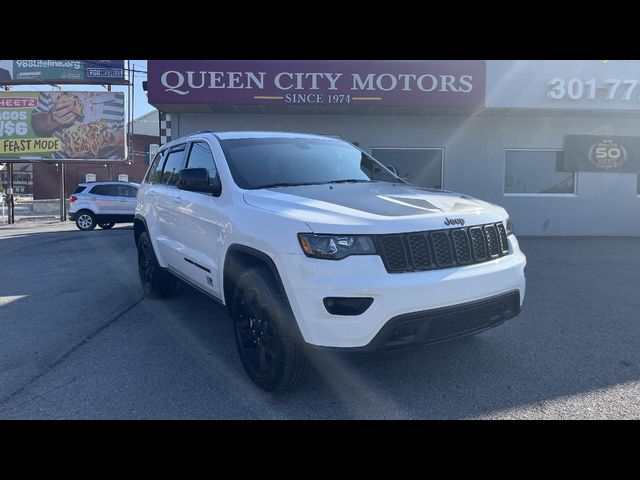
(103, 204)
(313, 246)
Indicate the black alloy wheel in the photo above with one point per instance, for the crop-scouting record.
(254, 330)
(145, 264)
(156, 281)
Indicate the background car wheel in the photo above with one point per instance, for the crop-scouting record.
(86, 221)
(156, 282)
(264, 327)
(106, 226)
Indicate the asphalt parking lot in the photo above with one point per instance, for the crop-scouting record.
(78, 340)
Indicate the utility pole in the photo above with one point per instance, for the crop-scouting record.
(11, 218)
(63, 201)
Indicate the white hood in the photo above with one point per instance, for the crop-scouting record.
(376, 207)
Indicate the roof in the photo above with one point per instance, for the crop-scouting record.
(110, 182)
(259, 134)
(247, 134)
(243, 134)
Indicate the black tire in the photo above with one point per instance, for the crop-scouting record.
(156, 282)
(106, 226)
(86, 221)
(268, 342)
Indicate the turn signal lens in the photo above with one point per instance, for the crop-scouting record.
(509, 227)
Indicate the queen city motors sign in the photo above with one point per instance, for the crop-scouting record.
(436, 83)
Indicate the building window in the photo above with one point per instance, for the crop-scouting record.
(537, 172)
(422, 167)
(123, 177)
(90, 177)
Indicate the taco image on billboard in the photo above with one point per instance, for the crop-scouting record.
(85, 140)
(67, 98)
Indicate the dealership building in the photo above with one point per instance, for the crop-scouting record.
(557, 143)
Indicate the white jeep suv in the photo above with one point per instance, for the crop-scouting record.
(103, 204)
(313, 246)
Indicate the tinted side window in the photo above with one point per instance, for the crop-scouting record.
(172, 166)
(109, 190)
(100, 190)
(80, 189)
(201, 157)
(127, 191)
(155, 171)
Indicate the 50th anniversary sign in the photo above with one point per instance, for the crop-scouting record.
(602, 153)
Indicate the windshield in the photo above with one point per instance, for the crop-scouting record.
(269, 162)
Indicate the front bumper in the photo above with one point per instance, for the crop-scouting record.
(419, 329)
(397, 297)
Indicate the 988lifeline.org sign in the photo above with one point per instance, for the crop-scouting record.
(602, 153)
(28, 72)
(433, 83)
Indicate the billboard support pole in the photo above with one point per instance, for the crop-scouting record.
(11, 218)
(63, 205)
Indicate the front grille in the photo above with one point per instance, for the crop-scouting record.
(419, 251)
(442, 247)
(394, 252)
(478, 243)
(492, 240)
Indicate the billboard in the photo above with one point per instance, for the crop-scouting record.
(343, 83)
(62, 126)
(28, 72)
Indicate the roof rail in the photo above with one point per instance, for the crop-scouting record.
(206, 130)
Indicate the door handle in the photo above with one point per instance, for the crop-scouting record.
(122, 201)
(152, 194)
(177, 199)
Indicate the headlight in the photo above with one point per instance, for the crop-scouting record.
(335, 247)
(509, 227)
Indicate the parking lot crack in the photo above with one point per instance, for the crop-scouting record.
(29, 400)
(64, 356)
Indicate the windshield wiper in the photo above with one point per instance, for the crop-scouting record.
(284, 184)
(281, 184)
(350, 180)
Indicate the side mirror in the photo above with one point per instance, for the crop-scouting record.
(197, 180)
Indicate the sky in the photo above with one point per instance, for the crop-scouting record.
(140, 107)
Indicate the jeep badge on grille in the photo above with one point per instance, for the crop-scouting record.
(454, 221)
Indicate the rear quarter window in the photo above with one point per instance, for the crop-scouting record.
(80, 189)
